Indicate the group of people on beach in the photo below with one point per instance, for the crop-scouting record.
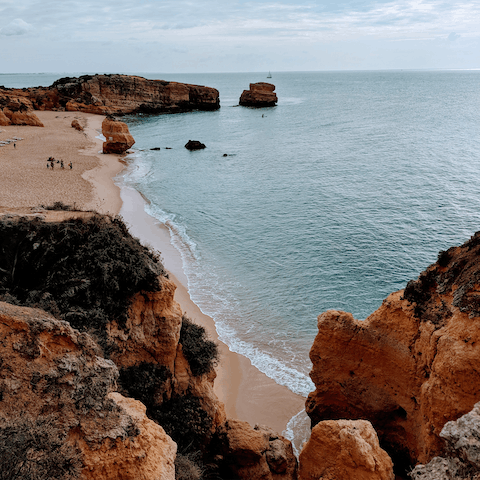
(51, 163)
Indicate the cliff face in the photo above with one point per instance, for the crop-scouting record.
(260, 94)
(54, 377)
(116, 94)
(412, 365)
(17, 110)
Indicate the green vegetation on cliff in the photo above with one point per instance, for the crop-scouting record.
(84, 271)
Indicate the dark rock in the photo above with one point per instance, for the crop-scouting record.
(155, 148)
(194, 145)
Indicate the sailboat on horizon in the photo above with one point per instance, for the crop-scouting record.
(269, 75)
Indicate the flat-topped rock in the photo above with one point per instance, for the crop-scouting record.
(261, 94)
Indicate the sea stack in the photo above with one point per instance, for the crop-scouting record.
(117, 136)
(261, 94)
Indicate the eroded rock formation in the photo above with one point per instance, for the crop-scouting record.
(260, 94)
(52, 372)
(412, 365)
(343, 450)
(115, 94)
(117, 136)
(15, 110)
(258, 453)
(462, 444)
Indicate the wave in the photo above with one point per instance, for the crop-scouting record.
(214, 300)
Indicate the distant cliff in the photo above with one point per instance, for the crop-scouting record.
(412, 365)
(110, 94)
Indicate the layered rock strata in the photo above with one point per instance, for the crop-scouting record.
(342, 450)
(117, 136)
(114, 94)
(412, 365)
(260, 94)
(54, 374)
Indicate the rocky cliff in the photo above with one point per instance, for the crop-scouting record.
(56, 386)
(412, 365)
(130, 342)
(112, 94)
(260, 94)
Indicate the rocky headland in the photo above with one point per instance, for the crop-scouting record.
(104, 94)
(411, 366)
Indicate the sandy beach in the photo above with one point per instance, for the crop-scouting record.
(26, 182)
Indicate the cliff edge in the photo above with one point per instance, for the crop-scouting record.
(412, 365)
(105, 94)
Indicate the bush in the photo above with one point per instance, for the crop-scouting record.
(200, 352)
(36, 450)
(84, 271)
(144, 382)
(184, 419)
(188, 467)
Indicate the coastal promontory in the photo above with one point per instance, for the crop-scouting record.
(111, 94)
(411, 366)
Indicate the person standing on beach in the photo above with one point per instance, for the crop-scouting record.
(70, 165)
(14, 145)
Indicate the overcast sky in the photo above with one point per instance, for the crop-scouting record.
(178, 36)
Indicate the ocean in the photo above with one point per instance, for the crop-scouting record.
(333, 199)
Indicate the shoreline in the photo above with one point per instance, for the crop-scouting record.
(247, 393)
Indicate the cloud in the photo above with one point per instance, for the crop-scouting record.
(16, 27)
(453, 36)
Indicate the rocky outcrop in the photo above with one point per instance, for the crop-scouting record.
(261, 94)
(194, 145)
(462, 444)
(342, 450)
(15, 110)
(255, 453)
(52, 372)
(412, 365)
(117, 136)
(117, 94)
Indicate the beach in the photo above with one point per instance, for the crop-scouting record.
(27, 184)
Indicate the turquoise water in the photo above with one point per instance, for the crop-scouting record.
(333, 199)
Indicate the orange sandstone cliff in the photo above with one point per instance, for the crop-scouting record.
(111, 94)
(411, 366)
(55, 384)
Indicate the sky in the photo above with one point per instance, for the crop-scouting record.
(203, 36)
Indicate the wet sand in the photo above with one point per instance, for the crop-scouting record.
(25, 181)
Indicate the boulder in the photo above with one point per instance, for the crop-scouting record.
(412, 365)
(260, 94)
(343, 450)
(76, 125)
(194, 145)
(117, 136)
(256, 453)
